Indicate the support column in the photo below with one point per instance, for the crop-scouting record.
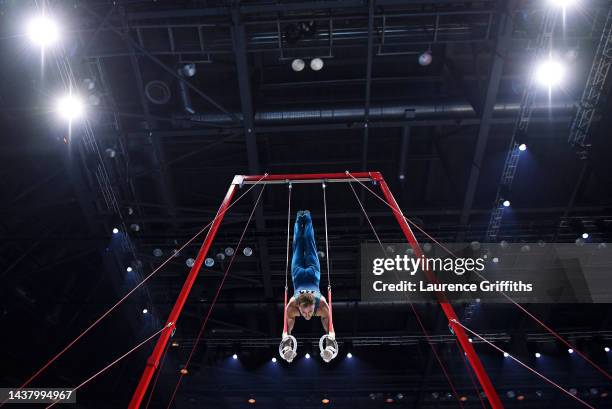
(447, 308)
(153, 361)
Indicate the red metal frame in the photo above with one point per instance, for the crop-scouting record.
(239, 180)
(153, 361)
(448, 309)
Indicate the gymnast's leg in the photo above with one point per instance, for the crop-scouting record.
(297, 261)
(311, 258)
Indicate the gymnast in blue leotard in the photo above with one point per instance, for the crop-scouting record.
(307, 300)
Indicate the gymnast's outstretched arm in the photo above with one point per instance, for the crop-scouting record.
(323, 312)
(290, 315)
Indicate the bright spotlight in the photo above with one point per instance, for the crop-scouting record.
(145, 311)
(561, 3)
(274, 359)
(316, 64)
(425, 58)
(471, 340)
(307, 356)
(70, 107)
(129, 269)
(349, 355)
(506, 203)
(522, 147)
(298, 65)
(585, 235)
(506, 355)
(43, 31)
(538, 355)
(235, 356)
(550, 73)
(570, 351)
(115, 230)
(607, 349)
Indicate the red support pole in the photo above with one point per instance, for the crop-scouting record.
(153, 361)
(472, 357)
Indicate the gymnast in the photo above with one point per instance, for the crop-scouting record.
(307, 300)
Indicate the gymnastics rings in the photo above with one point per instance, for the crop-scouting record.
(328, 347)
(288, 347)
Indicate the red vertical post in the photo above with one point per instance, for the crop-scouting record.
(448, 309)
(153, 361)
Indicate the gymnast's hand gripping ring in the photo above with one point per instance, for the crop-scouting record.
(288, 347)
(328, 347)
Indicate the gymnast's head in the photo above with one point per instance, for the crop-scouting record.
(305, 303)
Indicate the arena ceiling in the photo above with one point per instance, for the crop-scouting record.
(184, 95)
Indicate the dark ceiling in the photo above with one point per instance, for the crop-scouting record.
(160, 148)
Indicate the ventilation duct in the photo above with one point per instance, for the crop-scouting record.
(381, 112)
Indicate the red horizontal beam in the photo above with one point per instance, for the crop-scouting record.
(308, 177)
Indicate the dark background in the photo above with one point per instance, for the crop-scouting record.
(438, 133)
